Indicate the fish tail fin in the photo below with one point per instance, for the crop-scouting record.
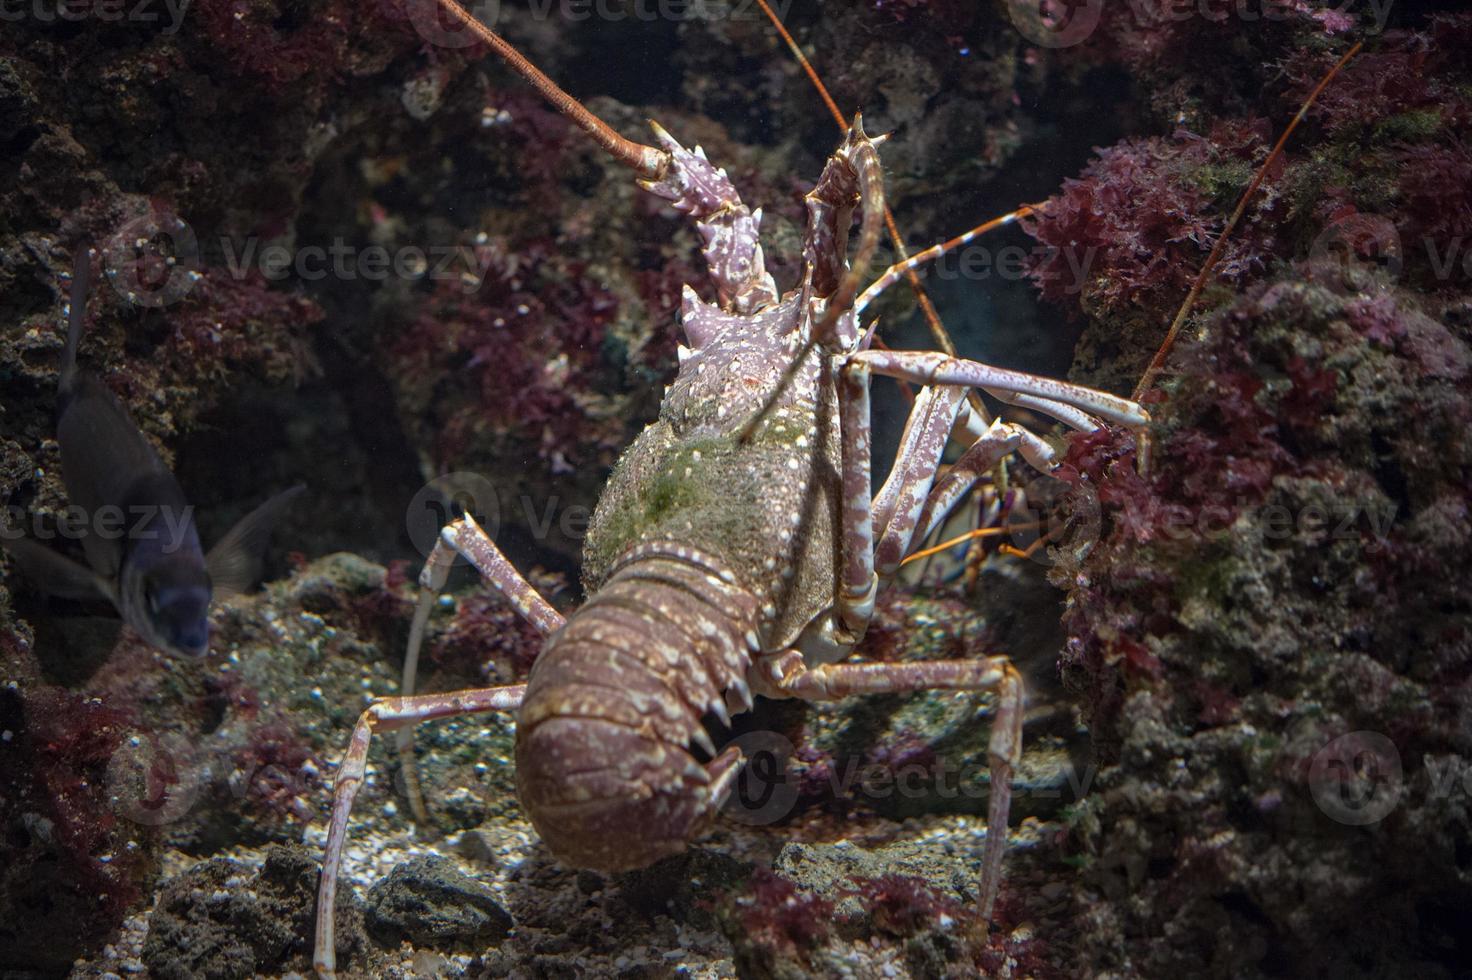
(235, 560)
(76, 320)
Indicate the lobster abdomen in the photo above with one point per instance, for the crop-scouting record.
(608, 732)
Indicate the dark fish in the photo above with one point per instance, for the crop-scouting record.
(140, 541)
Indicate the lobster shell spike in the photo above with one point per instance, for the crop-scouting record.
(697, 319)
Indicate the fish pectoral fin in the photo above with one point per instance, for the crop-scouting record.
(56, 574)
(235, 560)
(104, 555)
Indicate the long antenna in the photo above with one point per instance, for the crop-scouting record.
(908, 266)
(1158, 361)
(650, 162)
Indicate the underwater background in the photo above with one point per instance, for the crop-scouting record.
(340, 244)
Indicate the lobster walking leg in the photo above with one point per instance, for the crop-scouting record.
(462, 537)
(928, 367)
(913, 474)
(984, 454)
(790, 677)
(385, 714)
(465, 537)
(990, 448)
(909, 501)
(1067, 414)
(931, 422)
(902, 501)
(878, 532)
(926, 432)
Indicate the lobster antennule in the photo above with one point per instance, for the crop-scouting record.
(852, 172)
(859, 152)
(938, 332)
(932, 318)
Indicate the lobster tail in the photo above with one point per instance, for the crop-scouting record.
(607, 734)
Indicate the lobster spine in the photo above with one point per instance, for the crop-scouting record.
(607, 734)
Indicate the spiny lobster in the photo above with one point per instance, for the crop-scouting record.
(736, 550)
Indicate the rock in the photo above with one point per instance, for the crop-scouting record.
(682, 885)
(218, 921)
(430, 902)
(830, 869)
(1269, 659)
(477, 846)
(844, 875)
(914, 896)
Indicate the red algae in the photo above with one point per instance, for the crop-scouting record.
(73, 865)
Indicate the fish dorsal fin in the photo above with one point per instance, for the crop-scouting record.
(104, 455)
(235, 560)
(105, 459)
